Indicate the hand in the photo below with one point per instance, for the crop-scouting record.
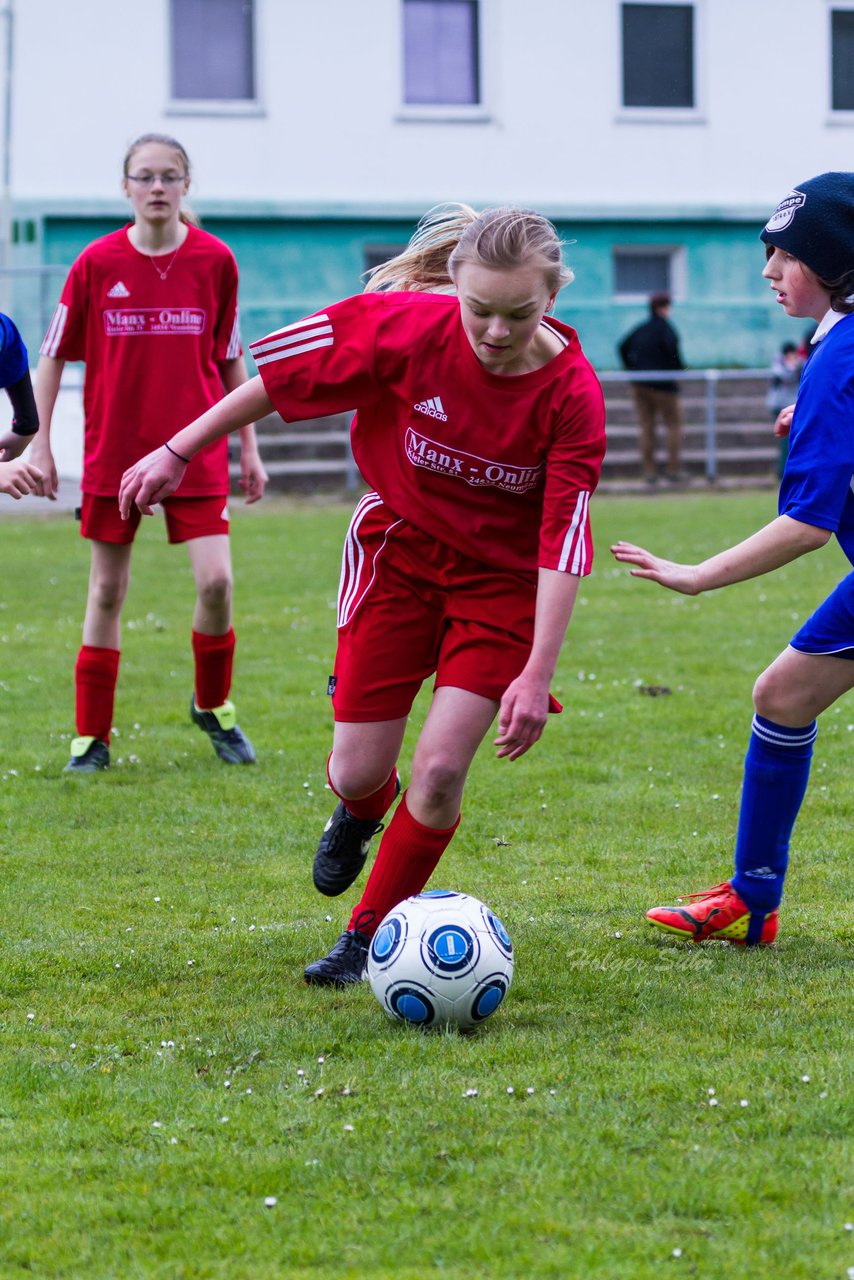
(12, 445)
(149, 481)
(678, 577)
(19, 478)
(253, 477)
(42, 459)
(783, 422)
(522, 716)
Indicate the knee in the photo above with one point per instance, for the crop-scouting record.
(356, 779)
(439, 780)
(775, 699)
(107, 592)
(214, 590)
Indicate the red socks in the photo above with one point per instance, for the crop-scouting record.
(214, 657)
(408, 855)
(97, 671)
(95, 676)
(373, 807)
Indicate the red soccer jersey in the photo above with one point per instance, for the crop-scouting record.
(153, 350)
(499, 467)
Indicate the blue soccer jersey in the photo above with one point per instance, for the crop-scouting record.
(13, 353)
(817, 482)
(816, 485)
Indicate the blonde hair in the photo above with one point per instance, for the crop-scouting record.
(450, 234)
(186, 214)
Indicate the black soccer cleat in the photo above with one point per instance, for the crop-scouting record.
(345, 963)
(88, 755)
(343, 849)
(229, 741)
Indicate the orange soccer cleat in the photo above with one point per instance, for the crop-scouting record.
(718, 912)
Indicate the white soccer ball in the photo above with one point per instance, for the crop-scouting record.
(441, 959)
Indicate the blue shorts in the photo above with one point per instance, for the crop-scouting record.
(830, 630)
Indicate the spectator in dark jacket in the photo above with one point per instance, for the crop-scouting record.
(654, 345)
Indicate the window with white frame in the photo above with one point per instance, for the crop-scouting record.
(441, 53)
(213, 50)
(641, 270)
(842, 59)
(658, 55)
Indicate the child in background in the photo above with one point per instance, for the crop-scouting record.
(809, 242)
(785, 375)
(152, 310)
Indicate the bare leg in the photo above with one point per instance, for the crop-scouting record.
(210, 559)
(109, 578)
(798, 687)
(363, 755)
(423, 823)
(428, 814)
(454, 729)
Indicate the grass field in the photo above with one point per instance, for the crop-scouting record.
(164, 1071)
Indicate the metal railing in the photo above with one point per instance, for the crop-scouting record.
(711, 378)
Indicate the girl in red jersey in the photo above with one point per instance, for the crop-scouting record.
(152, 310)
(480, 428)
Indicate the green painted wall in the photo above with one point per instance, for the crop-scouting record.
(727, 316)
(290, 266)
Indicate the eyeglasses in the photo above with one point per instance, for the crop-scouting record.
(149, 179)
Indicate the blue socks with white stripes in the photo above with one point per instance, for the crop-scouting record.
(776, 772)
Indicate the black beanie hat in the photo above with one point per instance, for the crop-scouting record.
(815, 223)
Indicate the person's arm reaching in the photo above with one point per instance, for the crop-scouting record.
(780, 542)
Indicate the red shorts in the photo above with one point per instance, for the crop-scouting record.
(409, 607)
(186, 518)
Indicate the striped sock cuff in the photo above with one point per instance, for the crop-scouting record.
(781, 735)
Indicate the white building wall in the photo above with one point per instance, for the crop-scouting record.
(91, 75)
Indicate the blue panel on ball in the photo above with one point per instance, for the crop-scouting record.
(412, 1007)
(450, 947)
(438, 893)
(386, 940)
(488, 1001)
(501, 933)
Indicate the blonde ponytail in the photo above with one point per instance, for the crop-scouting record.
(451, 234)
(424, 262)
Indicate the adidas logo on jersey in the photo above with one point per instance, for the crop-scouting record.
(433, 408)
(119, 290)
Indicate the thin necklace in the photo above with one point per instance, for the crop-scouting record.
(164, 274)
